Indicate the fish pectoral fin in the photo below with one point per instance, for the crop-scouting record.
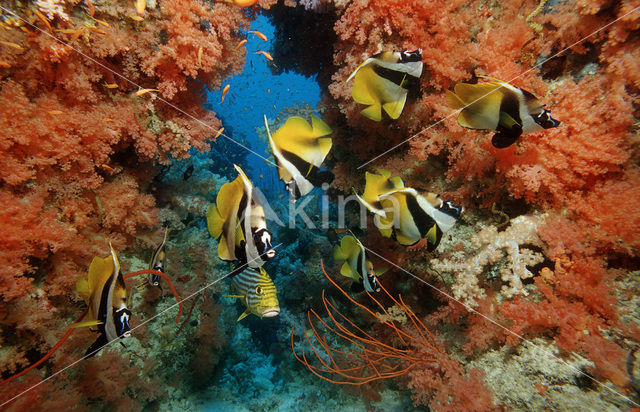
(85, 324)
(507, 121)
(244, 315)
(373, 112)
(433, 238)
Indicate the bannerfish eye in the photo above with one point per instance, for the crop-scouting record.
(258, 290)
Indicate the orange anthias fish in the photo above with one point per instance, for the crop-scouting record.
(218, 133)
(144, 91)
(260, 35)
(242, 43)
(266, 55)
(224, 92)
(243, 3)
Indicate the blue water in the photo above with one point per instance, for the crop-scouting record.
(254, 93)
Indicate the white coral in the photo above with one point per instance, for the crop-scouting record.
(493, 246)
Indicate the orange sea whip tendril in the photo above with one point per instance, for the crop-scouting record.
(193, 305)
(382, 360)
(45, 357)
(156, 272)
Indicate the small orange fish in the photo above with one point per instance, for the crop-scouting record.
(242, 43)
(12, 45)
(55, 112)
(224, 92)
(77, 35)
(108, 168)
(43, 19)
(144, 91)
(4, 64)
(268, 91)
(266, 55)
(244, 3)
(200, 56)
(140, 6)
(103, 23)
(110, 85)
(108, 120)
(260, 35)
(218, 133)
(67, 31)
(261, 176)
(136, 18)
(90, 6)
(97, 30)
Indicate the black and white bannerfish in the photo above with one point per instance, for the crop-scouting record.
(238, 220)
(384, 80)
(299, 149)
(499, 106)
(158, 260)
(105, 294)
(406, 214)
(356, 265)
(258, 293)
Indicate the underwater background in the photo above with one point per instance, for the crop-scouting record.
(116, 123)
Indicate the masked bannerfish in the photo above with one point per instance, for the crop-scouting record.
(407, 214)
(238, 220)
(356, 265)
(299, 149)
(374, 186)
(499, 106)
(158, 260)
(384, 80)
(258, 293)
(105, 294)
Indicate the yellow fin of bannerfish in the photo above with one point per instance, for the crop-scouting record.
(85, 324)
(348, 247)
(304, 140)
(379, 184)
(480, 104)
(346, 270)
(246, 313)
(100, 270)
(234, 296)
(373, 112)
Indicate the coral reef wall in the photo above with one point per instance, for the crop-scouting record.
(82, 144)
